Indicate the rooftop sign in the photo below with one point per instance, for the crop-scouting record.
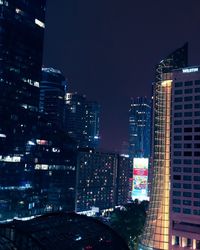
(190, 70)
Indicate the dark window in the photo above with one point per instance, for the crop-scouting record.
(196, 195)
(196, 212)
(187, 194)
(197, 186)
(177, 177)
(189, 83)
(176, 193)
(178, 114)
(188, 98)
(187, 170)
(177, 145)
(187, 153)
(197, 90)
(187, 161)
(178, 99)
(176, 201)
(188, 106)
(187, 129)
(196, 203)
(187, 114)
(187, 145)
(197, 178)
(187, 137)
(177, 137)
(178, 84)
(197, 82)
(177, 153)
(187, 177)
(197, 153)
(176, 185)
(177, 130)
(178, 92)
(177, 169)
(176, 107)
(197, 129)
(197, 105)
(186, 211)
(176, 209)
(188, 91)
(197, 121)
(197, 137)
(197, 97)
(187, 186)
(179, 122)
(187, 202)
(177, 161)
(187, 122)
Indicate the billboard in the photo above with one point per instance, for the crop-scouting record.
(140, 178)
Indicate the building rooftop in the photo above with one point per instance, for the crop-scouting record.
(59, 231)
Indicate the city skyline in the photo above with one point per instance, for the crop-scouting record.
(108, 51)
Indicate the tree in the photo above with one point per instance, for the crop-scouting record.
(129, 221)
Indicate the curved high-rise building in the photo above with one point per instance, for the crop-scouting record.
(156, 231)
(53, 88)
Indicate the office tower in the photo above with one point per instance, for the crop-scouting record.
(156, 231)
(22, 29)
(139, 127)
(91, 130)
(53, 88)
(33, 152)
(21, 40)
(82, 120)
(185, 160)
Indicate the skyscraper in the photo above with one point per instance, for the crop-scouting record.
(82, 120)
(185, 160)
(156, 231)
(21, 40)
(29, 144)
(92, 120)
(53, 88)
(139, 127)
(21, 32)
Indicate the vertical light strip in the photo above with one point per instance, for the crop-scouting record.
(156, 232)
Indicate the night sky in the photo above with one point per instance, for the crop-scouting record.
(108, 50)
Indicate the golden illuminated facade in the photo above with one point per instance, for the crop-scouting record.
(156, 232)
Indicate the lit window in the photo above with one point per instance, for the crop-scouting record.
(39, 23)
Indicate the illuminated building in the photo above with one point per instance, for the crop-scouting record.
(37, 162)
(22, 29)
(139, 189)
(122, 182)
(53, 88)
(91, 130)
(139, 127)
(82, 120)
(21, 40)
(139, 144)
(102, 180)
(156, 231)
(185, 160)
